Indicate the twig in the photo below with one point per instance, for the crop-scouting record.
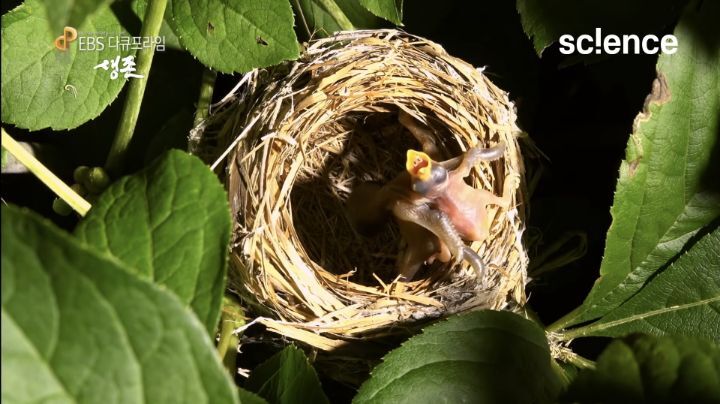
(61, 189)
(232, 145)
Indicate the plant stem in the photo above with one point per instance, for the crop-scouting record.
(227, 340)
(337, 14)
(207, 85)
(579, 331)
(61, 189)
(232, 317)
(579, 361)
(150, 28)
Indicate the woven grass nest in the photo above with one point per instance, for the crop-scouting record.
(300, 137)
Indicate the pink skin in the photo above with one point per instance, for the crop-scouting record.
(436, 209)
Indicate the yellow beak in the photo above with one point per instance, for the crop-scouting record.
(418, 165)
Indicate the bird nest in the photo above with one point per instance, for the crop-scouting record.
(302, 135)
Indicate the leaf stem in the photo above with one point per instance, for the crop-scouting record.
(150, 28)
(579, 361)
(232, 317)
(337, 14)
(604, 325)
(61, 189)
(207, 85)
(228, 339)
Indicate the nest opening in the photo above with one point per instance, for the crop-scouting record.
(360, 147)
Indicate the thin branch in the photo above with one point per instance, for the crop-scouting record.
(61, 189)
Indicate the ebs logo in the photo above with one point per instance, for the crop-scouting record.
(63, 41)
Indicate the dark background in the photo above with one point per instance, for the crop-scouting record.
(579, 114)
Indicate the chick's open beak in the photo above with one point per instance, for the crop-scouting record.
(418, 165)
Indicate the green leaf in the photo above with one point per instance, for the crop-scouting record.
(235, 35)
(287, 377)
(483, 356)
(645, 369)
(62, 13)
(247, 397)
(78, 327)
(544, 21)
(171, 40)
(665, 192)
(312, 16)
(684, 299)
(45, 87)
(390, 10)
(170, 223)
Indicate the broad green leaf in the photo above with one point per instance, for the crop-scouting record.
(43, 87)
(78, 327)
(313, 17)
(684, 299)
(62, 13)
(286, 378)
(483, 356)
(235, 35)
(544, 21)
(645, 369)
(390, 10)
(170, 223)
(665, 192)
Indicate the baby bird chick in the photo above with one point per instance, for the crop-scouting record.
(434, 207)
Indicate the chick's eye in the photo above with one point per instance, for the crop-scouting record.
(440, 176)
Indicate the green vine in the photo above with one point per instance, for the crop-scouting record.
(151, 28)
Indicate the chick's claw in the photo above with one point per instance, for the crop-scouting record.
(475, 261)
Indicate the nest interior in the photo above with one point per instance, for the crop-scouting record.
(357, 148)
(304, 134)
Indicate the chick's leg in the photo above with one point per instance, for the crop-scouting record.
(439, 224)
(477, 154)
